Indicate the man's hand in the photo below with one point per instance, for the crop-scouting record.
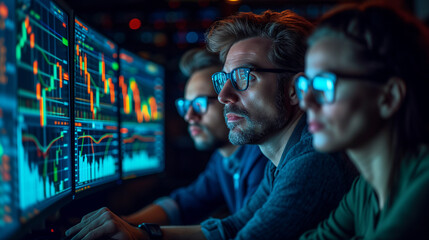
(104, 224)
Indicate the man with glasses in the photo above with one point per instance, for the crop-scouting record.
(261, 55)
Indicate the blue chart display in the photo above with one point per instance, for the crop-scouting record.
(8, 174)
(43, 132)
(96, 111)
(142, 91)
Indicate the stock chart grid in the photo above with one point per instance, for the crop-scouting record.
(43, 131)
(141, 87)
(96, 108)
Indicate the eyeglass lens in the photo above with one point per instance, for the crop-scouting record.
(323, 87)
(239, 78)
(199, 105)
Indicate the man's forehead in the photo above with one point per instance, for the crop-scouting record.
(199, 85)
(252, 52)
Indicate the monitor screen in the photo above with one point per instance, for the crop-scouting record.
(96, 108)
(8, 102)
(141, 84)
(43, 117)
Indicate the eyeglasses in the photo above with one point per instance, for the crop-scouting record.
(199, 105)
(239, 77)
(323, 84)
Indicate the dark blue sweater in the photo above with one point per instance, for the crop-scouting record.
(293, 197)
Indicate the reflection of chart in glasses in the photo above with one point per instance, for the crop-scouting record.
(141, 85)
(8, 201)
(96, 111)
(42, 56)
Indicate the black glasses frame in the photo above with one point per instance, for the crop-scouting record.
(219, 82)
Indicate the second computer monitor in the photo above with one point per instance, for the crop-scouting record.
(96, 109)
(141, 84)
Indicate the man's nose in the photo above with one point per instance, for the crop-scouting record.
(228, 94)
(191, 116)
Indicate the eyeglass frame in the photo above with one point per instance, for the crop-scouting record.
(373, 77)
(191, 103)
(250, 69)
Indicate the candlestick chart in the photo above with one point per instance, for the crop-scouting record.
(96, 108)
(141, 86)
(43, 120)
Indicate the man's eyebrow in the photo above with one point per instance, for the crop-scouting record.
(244, 65)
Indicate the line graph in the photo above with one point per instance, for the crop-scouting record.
(141, 152)
(44, 163)
(96, 155)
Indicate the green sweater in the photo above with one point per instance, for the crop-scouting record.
(404, 216)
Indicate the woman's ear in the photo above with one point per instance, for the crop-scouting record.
(293, 98)
(392, 97)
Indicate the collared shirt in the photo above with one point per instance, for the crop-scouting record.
(292, 198)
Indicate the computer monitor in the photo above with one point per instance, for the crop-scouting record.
(9, 218)
(141, 84)
(96, 109)
(43, 129)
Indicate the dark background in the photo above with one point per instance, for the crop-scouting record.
(167, 30)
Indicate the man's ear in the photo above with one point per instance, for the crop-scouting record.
(392, 96)
(293, 98)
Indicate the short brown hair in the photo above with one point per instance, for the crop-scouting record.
(287, 30)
